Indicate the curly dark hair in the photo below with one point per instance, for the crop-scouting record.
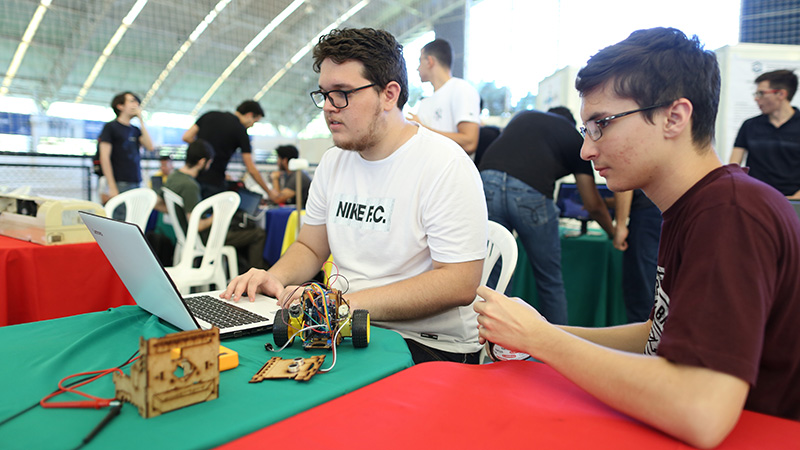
(198, 150)
(287, 151)
(250, 106)
(377, 50)
(656, 66)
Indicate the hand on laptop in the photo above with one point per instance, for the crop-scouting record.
(252, 282)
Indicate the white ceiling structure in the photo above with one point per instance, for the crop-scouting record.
(187, 56)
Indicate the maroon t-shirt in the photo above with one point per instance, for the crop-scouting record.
(728, 287)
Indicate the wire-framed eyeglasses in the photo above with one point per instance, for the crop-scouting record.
(337, 97)
(594, 128)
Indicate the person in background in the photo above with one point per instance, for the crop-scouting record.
(102, 190)
(454, 108)
(771, 141)
(226, 132)
(636, 233)
(249, 243)
(284, 181)
(165, 168)
(119, 146)
(519, 172)
(723, 333)
(162, 236)
(399, 207)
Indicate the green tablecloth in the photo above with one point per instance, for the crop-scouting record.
(592, 272)
(37, 355)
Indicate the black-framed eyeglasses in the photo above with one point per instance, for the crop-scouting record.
(337, 97)
(594, 128)
(761, 94)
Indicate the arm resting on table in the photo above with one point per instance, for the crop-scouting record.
(697, 405)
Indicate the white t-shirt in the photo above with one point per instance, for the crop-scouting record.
(455, 102)
(388, 220)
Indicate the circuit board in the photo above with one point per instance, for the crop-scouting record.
(301, 369)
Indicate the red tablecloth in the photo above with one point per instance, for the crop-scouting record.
(39, 282)
(515, 404)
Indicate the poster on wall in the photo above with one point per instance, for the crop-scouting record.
(559, 90)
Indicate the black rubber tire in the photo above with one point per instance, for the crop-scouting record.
(280, 328)
(360, 328)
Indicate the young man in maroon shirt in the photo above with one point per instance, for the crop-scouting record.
(722, 335)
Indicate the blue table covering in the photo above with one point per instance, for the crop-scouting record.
(275, 228)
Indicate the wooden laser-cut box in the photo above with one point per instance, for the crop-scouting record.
(164, 380)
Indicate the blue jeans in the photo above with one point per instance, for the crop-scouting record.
(639, 263)
(517, 206)
(122, 186)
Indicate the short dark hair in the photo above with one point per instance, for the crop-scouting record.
(198, 150)
(441, 50)
(377, 50)
(564, 112)
(250, 106)
(781, 79)
(656, 66)
(119, 99)
(287, 152)
(165, 158)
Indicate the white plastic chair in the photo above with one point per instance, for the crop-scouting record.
(183, 274)
(138, 203)
(501, 246)
(171, 199)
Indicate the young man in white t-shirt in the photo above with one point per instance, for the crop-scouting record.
(400, 208)
(454, 108)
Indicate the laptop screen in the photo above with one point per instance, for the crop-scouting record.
(249, 201)
(142, 274)
(570, 203)
(156, 181)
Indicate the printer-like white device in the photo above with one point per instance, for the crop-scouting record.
(43, 220)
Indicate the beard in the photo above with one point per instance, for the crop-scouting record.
(369, 139)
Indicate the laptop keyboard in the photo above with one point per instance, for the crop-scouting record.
(221, 313)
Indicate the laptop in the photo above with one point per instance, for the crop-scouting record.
(150, 286)
(156, 182)
(250, 202)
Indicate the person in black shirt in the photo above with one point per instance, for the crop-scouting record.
(771, 141)
(519, 171)
(226, 132)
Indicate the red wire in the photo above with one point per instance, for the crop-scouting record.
(96, 402)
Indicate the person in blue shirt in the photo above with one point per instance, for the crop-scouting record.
(120, 145)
